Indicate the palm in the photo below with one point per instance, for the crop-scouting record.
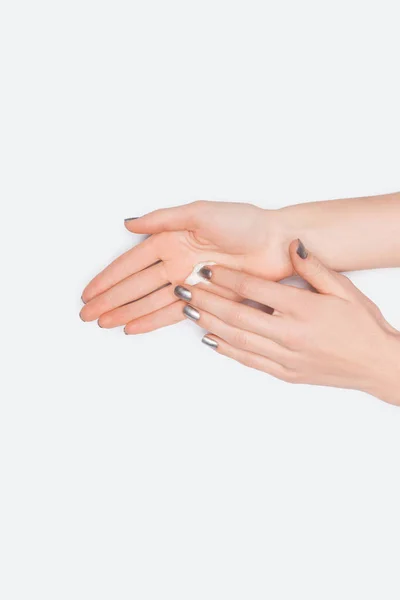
(229, 234)
(235, 235)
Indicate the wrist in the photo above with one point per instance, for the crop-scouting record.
(274, 246)
(302, 220)
(385, 382)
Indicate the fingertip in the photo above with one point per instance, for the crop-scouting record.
(130, 223)
(297, 249)
(88, 297)
(206, 272)
(105, 322)
(209, 341)
(89, 292)
(139, 225)
(301, 250)
(183, 293)
(129, 328)
(87, 314)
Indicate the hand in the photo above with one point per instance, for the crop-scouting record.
(241, 236)
(336, 338)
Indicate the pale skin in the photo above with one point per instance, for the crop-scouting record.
(344, 234)
(335, 337)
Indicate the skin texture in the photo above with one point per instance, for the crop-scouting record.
(128, 291)
(135, 289)
(337, 337)
(334, 336)
(351, 234)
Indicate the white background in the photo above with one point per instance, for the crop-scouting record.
(150, 467)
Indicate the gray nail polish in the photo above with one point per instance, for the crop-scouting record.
(191, 312)
(209, 342)
(302, 250)
(183, 293)
(206, 273)
(131, 219)
(83, 300)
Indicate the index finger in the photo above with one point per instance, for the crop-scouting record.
(276, 295)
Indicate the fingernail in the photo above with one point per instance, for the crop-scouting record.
(191, 312)
(183, 293)
(302, 250)
(206, 273)
(83, 300)
(81, 318)
(131, 219)
(209, 342)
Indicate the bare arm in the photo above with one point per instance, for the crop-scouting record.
(351, 234)
(348, 235)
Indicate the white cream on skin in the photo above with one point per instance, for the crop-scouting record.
(194, 278)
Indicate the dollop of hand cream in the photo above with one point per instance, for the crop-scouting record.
(194, 278)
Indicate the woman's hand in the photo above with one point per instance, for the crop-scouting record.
(337, 337)
(241, 236)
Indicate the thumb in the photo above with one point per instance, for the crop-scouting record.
(177, 218)
(322, 278)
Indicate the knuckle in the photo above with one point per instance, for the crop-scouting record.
(152, 302)
(292, 340)
(241, 339)
(291, 377)
(248, 361)
(314, 269)
(199, 204)
(292, 362)
(236, 315)
(244, 285)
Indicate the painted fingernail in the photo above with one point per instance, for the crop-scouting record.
(130, 219)
(302, 250)
(183, 293)
(205, 272)
(83, 300)
(81, 318)
(191, 312)
(209, 342)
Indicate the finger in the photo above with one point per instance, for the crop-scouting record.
(141, 256)
(138, 308)
(129, 289)
(323, 279)
(177, 218)
(219, 291)
(280, 297)
(249, 359)
(239, 338)
(161, 318)
(154, 301)
(238, 315)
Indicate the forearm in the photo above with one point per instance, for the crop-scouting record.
(351, 234)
